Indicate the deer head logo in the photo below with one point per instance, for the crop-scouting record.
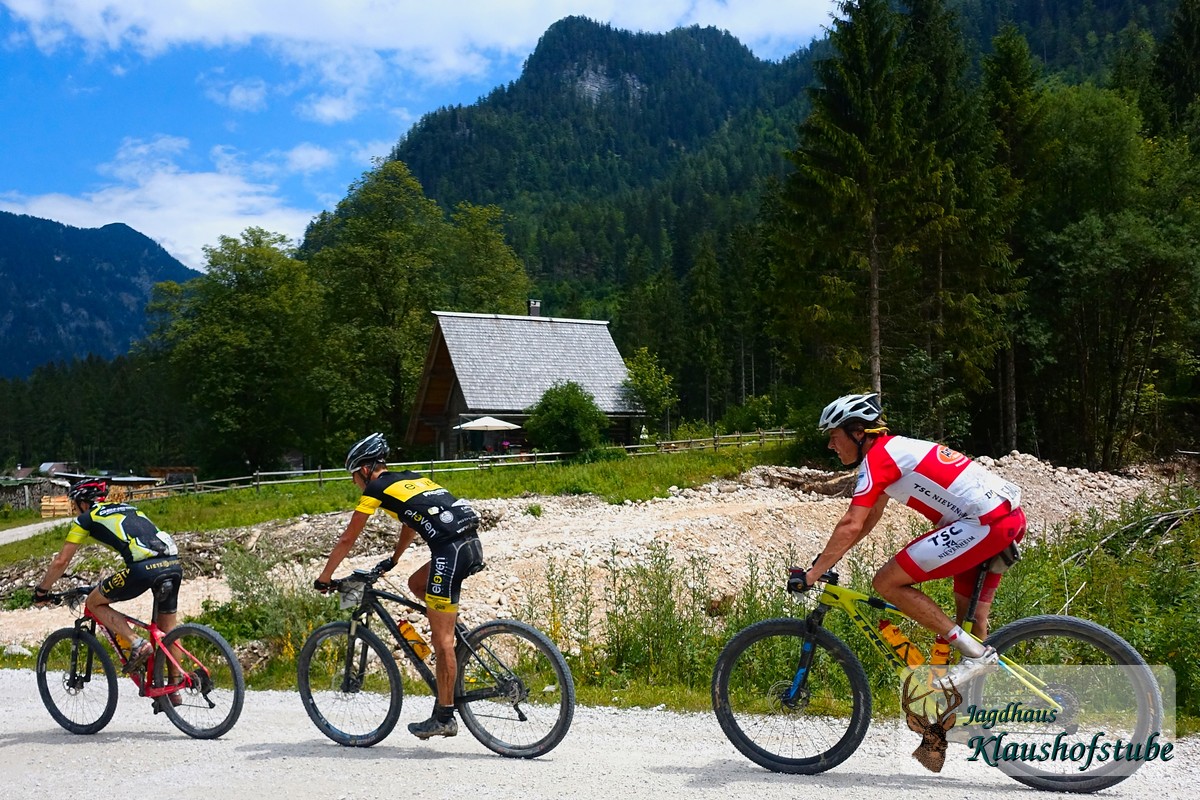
(932, 750)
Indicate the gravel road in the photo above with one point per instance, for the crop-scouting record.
(274, 751)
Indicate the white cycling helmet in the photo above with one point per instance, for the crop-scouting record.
(852, 406)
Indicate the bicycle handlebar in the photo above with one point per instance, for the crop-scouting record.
(72, 597)
(796, 582)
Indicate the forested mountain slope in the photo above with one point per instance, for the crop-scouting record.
(69, 292)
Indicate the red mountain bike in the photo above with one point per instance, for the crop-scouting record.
(192, 675)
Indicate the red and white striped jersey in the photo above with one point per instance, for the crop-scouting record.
(941, 484)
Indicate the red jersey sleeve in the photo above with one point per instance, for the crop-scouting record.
(877, 471)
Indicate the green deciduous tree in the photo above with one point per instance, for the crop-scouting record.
(242, 341)
(650, 386)
(387, 257)
(567, 419)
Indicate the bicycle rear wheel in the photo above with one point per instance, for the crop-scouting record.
(1103, 685)
(800, 728)
(77, 680)
(212, 703)
(515, 692)
(350, 686)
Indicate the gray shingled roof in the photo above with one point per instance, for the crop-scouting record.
(506, 363)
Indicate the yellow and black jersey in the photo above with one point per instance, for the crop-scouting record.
(421, 504)
(123, 528)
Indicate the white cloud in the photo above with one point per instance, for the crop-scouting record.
(245, 95)
(309, 158)
(355, 49)
(181, 210)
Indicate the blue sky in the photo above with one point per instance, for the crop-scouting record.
(193, 119)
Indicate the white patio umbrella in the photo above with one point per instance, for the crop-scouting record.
(487, 424)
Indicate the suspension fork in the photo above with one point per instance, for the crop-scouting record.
(814, 620)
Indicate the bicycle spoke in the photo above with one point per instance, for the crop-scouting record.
(515, 692)
(210, 690)
(351, 689)
(77, 681)
(784, 720)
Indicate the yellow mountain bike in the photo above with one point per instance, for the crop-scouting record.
(793, 697)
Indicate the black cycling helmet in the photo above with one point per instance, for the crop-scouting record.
(851, 407)
(371, 450)
(88, 490)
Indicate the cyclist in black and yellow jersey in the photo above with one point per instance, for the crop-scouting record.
(151, 561)
(448, 525)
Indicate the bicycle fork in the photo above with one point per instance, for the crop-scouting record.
(795, 694)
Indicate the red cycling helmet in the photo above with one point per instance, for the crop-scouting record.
(88, 490)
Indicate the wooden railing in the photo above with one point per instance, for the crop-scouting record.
(433, 467)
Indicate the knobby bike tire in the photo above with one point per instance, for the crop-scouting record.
(525, 694)
(210, 706)
(77, 680)
(815, 734)
(1122, 699)
(355, 705)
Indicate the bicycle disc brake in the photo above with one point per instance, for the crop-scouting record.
(780, 697)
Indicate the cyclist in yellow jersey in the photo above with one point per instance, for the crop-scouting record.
(448, 525)
(151, 562)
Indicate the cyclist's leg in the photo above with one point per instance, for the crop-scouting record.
(894, 584)
(421, 584)
(168, 579)
(964, 587)
(166, 599)
(449, 565)
(1003, 531)
(118, 587)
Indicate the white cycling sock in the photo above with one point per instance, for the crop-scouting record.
(964, 643)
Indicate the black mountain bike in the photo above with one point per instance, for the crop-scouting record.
(514, 690)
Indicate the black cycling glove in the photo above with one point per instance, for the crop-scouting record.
(797, 579)
(387, 565)
(321, 586)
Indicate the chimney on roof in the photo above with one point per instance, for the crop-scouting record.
(535, 308)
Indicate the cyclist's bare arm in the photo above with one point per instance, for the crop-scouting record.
(855, 524)
(345, 544)
(407, 537)
(58, 565)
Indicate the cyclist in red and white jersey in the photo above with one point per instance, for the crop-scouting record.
(977, 513)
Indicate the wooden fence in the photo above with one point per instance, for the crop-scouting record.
(432, 467)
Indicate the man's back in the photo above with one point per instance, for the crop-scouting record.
(123, 528)
(934, 480)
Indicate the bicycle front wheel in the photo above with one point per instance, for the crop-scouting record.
(77, 680)
(515, 692)
(1104, 692)
(783, 720)
(350, 685)
(212, 688)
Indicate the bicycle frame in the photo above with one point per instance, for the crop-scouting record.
(851, 602)
(90, 622)
(372, 603)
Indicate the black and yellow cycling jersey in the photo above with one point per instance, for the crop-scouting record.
(123, 528)
(435, 514)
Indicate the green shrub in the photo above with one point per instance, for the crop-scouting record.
(566, 419)
(19, 598)
(272, 602)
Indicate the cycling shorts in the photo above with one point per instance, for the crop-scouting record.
(449, 564)
(959, 548)
(164, 575)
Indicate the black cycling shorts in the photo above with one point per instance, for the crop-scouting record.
(165, 573)
(449, 564)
